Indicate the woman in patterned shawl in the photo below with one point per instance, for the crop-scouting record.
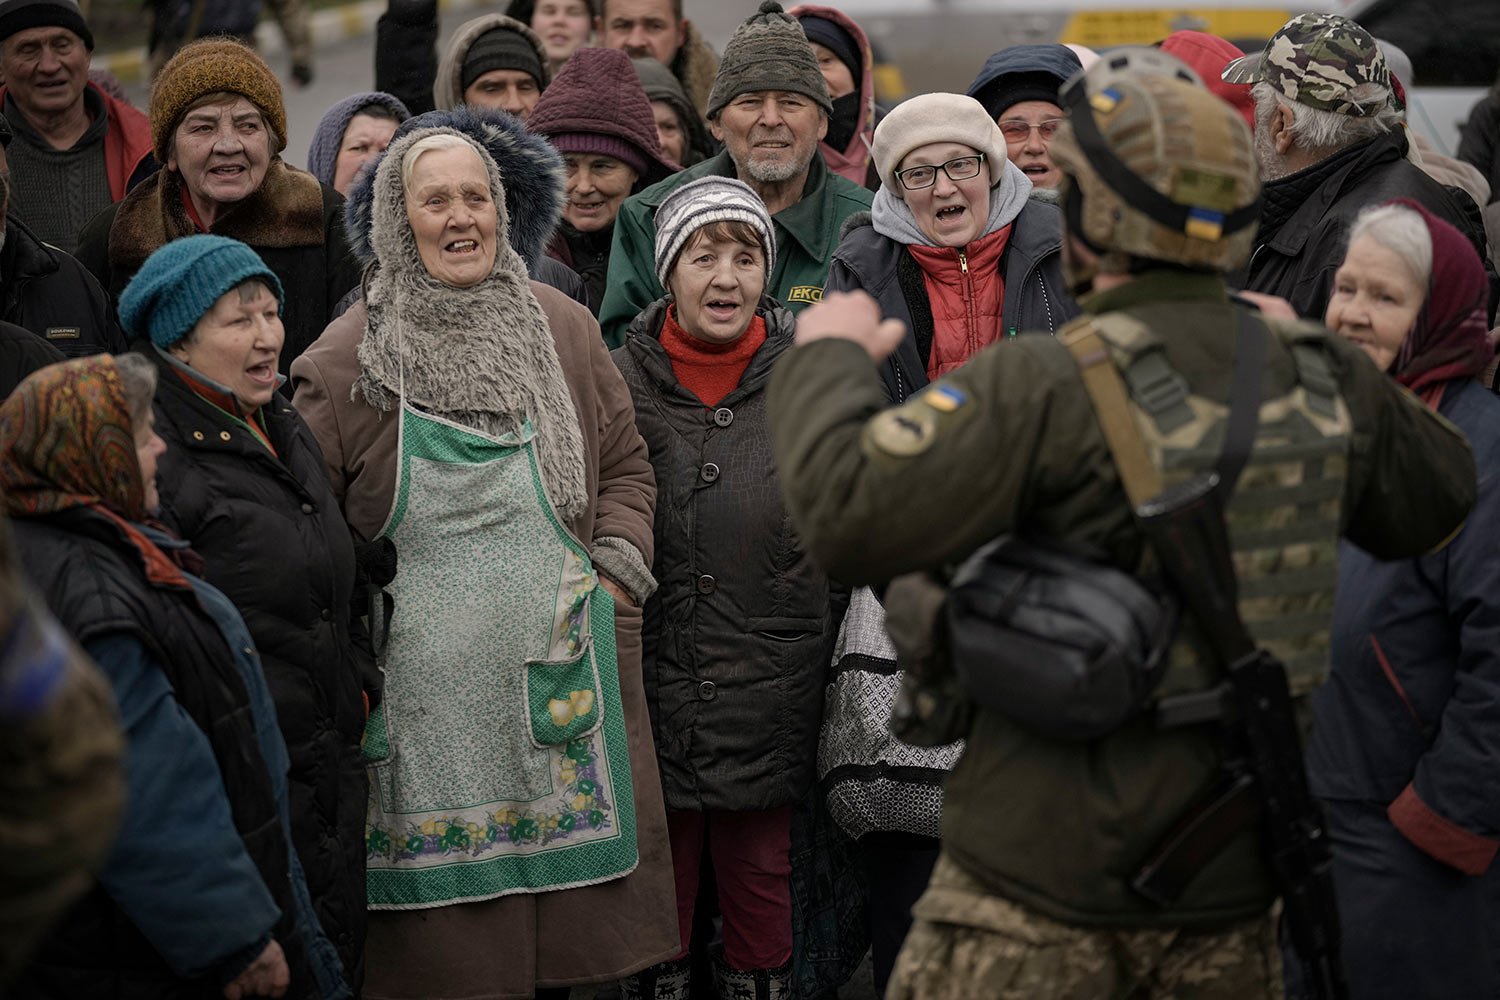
(206, 811)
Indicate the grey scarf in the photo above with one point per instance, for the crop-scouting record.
(892, 218)
(481, 356)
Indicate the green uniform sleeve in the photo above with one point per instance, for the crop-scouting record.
(879, 492)
(631, 284)
(1411, 472)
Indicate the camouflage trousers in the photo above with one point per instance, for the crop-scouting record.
(966, 942)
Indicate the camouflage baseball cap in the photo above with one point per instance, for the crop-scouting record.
(1316, 59)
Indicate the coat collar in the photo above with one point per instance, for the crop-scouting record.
(1315, 190)
(285, 211)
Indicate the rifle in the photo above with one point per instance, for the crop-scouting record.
(1185, 527)
(1265, 779)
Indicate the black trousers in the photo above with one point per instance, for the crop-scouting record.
(897, 867)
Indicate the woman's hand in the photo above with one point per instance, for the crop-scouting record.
(267, 976)
(616, 591)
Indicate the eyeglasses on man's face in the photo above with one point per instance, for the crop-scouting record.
(1016, 130)
(960, 168)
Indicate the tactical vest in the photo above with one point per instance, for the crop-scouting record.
(1284, 515)
(1062, 827)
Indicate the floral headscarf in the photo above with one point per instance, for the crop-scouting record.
(66, 441)
(1450, 339)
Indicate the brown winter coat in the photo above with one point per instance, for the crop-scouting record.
(511, 946)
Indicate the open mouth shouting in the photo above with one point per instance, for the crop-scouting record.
(462, 248)
(721, 310)
(263, 374)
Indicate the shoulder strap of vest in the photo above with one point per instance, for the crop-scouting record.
(1310, 356)
(1106, 390)
(1155, 386)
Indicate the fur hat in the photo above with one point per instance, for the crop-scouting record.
(769, 51)
(534, 176)
(701, 203)
(210, 66)
(929, 118)
(18, 15)
(181, 281)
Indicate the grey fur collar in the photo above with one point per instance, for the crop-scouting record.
(481, 356)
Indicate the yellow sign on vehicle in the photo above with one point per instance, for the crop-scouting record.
(1102, 28)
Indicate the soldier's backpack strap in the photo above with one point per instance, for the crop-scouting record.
(1106, 389)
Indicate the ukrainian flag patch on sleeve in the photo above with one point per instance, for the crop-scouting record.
(945, 398)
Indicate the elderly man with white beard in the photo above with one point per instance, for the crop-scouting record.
(1329, 141)
(769, 107)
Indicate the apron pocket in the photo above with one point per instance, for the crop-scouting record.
(375, 746)
(564, 701)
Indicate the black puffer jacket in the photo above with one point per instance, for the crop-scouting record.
(739, 634)
(96, 584)
(54, 296)
(274, 541)
(1035, 299)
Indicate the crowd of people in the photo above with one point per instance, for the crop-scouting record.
(480, 565)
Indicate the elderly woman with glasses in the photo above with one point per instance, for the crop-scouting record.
(954, 247)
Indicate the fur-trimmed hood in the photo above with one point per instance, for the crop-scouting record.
(696, 65)
(482, 356)
(531, 171)
(448, 86)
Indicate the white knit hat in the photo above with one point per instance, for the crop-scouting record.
(702, 203)
(929, 118)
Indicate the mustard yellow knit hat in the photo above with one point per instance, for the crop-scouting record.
(207, 67)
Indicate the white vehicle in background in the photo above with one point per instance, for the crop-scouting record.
(1454, 45)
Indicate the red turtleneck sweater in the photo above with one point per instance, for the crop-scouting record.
(709, 371)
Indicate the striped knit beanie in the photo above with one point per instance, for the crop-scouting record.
(182, 280)
(702, 203)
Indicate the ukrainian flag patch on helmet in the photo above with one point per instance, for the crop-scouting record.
(1204, 224)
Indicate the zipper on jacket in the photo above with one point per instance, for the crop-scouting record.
(971, 309)
(963, 262)
(1046, 303)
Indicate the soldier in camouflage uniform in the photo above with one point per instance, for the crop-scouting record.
(1042, 836)
(1329, 142)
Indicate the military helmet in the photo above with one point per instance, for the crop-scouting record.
(1156, 167)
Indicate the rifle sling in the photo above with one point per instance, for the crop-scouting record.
(1106, 391)
(1200, 835)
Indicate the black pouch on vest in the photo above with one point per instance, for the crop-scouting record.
(1065, 646)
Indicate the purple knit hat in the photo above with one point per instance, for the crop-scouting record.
(596, 104)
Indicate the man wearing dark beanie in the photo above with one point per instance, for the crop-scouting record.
(75, 146)
(769, 106)
(1018, 87)
(493, 61)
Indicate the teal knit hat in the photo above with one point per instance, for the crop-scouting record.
(180, 282)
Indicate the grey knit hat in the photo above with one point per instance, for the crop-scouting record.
(937, 117)
(702, 203)
(769, 51)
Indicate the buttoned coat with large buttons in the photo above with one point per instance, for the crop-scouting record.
(274, 541)
(739, 634)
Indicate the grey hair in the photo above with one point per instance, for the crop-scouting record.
(1317, 130)
(429, 144)
(138, 379)
(1403, 232)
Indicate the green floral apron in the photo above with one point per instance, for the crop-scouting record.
(498, 757)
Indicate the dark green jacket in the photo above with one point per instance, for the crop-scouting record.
(1060, 826)
(806, 235)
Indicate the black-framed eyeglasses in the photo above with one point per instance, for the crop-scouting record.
(960, 168)
(1015, 130)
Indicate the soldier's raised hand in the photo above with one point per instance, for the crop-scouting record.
(851, 316)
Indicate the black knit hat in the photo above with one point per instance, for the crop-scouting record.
(502, 48)
(836, 40)
(769, 51)
(18, 15)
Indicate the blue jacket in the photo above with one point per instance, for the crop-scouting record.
(1410, 715)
